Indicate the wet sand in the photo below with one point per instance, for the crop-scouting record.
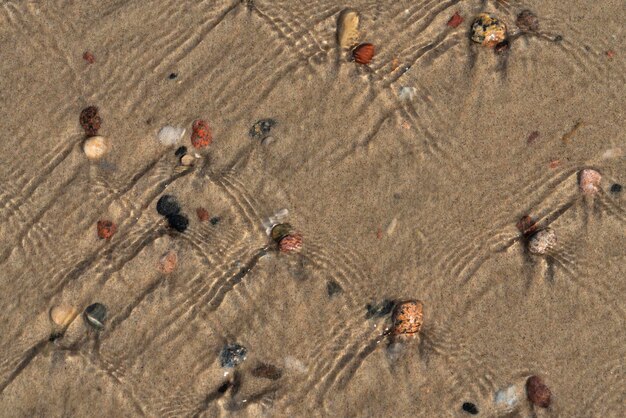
(406, 178)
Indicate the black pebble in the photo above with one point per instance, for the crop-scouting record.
(470, 408)
(178, 222)
(232, 355)
(173, 76)
(558, 38)
(95, 315)
(181, 151)
(616, 188)
(215, 220)
(332, 287)
(379, 310)
(167, 205)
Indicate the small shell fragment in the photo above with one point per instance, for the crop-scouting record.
(488, 30)
(63, 315)
(589, 181)
(170, 135)
(363, 53)
(542, 241)
(407, 318)
(96, 147)
(348, 28)
(95, 315)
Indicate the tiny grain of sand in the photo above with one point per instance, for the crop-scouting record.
(437, 171)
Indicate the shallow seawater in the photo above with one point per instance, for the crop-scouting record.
(423, 175)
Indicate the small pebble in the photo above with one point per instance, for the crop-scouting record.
(233, 355)
(470, 408)
(348, 28)
(90, 120)
(589, 181)
(363, 53)
(173, 76)
(279, 231)
(261, 129)
(168, 262)
(455, 20)
(527, 21)
(488, 30)
(95, 315)
(332, 288)
(106, 229)
(534, 135)
(178, 222)
(527, 225)
(88, 56)
(290, 243)
(542, 241)
(215, 220)
(558, 38)
(203, 214)
(267, 371)
(379, 310)
(502, 47)
(201, 135)
(538, 393)
(407, 318)
(62, 315)
(187, 160)
(170, 135)
(616, 188)
(167, 205)
(96, 147)
(180, 151)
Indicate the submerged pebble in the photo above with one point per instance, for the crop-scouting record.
(363, 53)
(267, 371)
(170, 135)
(470, 408)
(233, 355)
(201, 135)
(180, 151)
(168, 262)
(178, 222)
(90, 120)
(538, 393)
(589, 181)
(542, 241)
(290, 243)
(279, 231)
(261, 129)
(96, 147)
(167, 205)
(203, 214)
(407, 318)
(62, 315)
(348, 28)
(488, 30)
(616, 188)
(106, 229)
(95, 315)
(187, 160)
(215, 220)
(379, 310)
(527, 21)
(332, 288)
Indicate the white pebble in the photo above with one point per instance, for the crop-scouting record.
(170, 135)
(542, 241)
(407, 93)
(507, 398)
(96, 147)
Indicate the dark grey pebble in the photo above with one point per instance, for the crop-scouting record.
(379, 309)
(95, 315)
(470, 408)
(215, 220)
(233, 355)
(261, 129)
(616, 188)
(181, 151)
(173, 76)
(167, 205)
(332, 287)
(178, 222)
(267, 371)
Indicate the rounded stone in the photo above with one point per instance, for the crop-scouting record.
(408, 317)
(178, 222)
(96, 147)
(95, 315)
(538, 393)
(488, 30)
(232, 355)
(589, 181)
(279, 231)
(63, 315)
(542, 241)
(167, 205)
(527, 21)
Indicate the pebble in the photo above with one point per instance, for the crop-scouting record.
(95, 315)
(106, 229)
(267, 371)
(63, 315)
(290, 243)
(332, 288)
(173, 76)
(455, 20)
(527, 225)
(201, 135)
(407, 318)
(233, 355)
(88, 56)
(348, 28)
(279, 231)
(542, 241)
(187, 160)
(261, 129)
(589, 181)
(168, 262)
(215, 220)
(488, 30)
(90, 120)
(203, 214)
(470, 408)
(538, 393)
(407, 93)
(506, 398)
(379, 309)
(527, 21)
(170, 135)
(167, 205)
(96, 147)
(181, 151)
(178, 222)
(616, 188)
(363, 53)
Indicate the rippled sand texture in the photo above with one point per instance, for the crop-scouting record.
(412, 196)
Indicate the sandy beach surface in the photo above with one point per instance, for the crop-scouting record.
(484, 182)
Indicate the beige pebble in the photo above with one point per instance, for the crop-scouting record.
(63, 315)
(348, 28)
(168, 262)
(187, 160)
(542, 241)
(589, 181)
(96, 147)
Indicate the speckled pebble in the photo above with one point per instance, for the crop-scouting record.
(232, 355)
(542, 241)
(95, 315)
(261, 129)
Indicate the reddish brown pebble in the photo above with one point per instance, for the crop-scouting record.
(290, 243)
(534, 135)
(527, 225)
(88, 56)
(201, 135)
(537, 391)
(90, 120)
(554, 164)
(610, 53)
(203, 214)
(363, 53)
(455, 20)
(589, 181)
(527, 21)
(106, 229)
(407, 318)
(168, 262)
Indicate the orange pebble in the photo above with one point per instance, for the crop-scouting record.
(201, 135)
(407, 318)
(363, 53)
(290, 243)
(203, 214)
(455, 20)
(88, 56)
(168, 262)
(106, 229)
